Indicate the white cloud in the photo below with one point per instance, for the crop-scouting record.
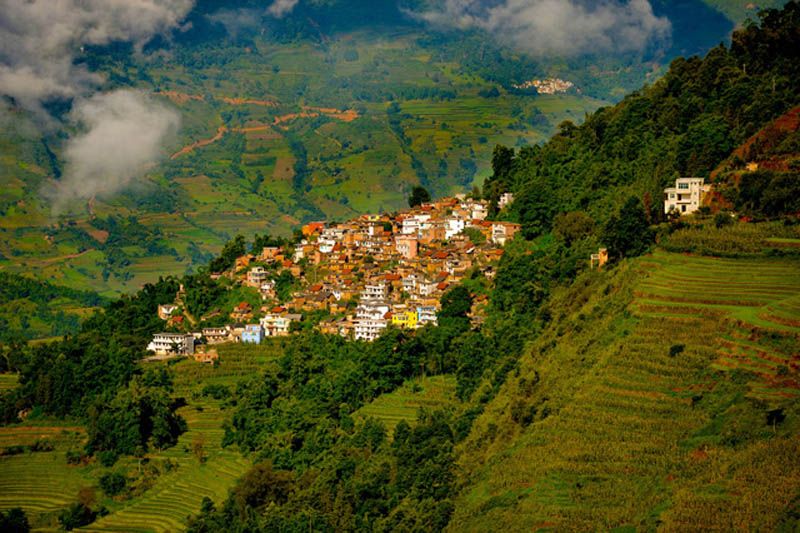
(557, 27)
(123, 134)
(40, 41)
(279, 8)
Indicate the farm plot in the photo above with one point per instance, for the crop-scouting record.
(756, 299)
(431, 393)
(179, 493)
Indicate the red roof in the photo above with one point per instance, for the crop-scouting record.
(442, 286)
(440, 255)
(315, 288)
(242, 306)
(392, 277)
(278, 309)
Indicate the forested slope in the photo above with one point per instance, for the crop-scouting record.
(682, 125)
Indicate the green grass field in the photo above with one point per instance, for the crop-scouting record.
(43, 483)
(431, 393)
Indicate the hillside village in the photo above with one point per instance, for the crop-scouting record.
(356, 278)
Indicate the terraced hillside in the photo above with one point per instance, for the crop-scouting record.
(432, 393)
(656, 400)
(166, 488)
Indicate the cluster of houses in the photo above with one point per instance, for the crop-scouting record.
(363, 275)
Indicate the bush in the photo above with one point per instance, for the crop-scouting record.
(676, 349)
(14, 521)
(76, 515)
(107, 457)
(113, 483)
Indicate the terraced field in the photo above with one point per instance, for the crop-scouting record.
(631, 413)
(43, 483)
(179, 493)
(757, 303)
(431, 393)
(7, 382)
(40, 482)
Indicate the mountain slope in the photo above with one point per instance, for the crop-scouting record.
(647, 402)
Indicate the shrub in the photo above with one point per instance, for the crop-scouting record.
(76, 515)
(113, 483)
(107, 457)
(676, 349)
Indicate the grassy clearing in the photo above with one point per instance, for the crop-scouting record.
(430, 393)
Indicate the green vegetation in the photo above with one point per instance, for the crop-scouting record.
(404, 404)
(31, 309)
(660, 391)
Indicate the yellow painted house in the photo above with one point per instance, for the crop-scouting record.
(405, 319)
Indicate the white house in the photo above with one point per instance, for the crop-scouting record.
(277, 325)
(376, 291)
(426, 314)
(506, 198)
(369, 330)
(171, 344)
(686, 196)
(455, 225)
(256, 276)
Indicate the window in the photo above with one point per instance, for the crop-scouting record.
(683, 185)
(671, 195)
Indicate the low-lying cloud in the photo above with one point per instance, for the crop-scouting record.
(280, 8)
(41, 44)
(123, 134)
(557, 27)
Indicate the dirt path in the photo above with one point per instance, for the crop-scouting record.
(199, 144)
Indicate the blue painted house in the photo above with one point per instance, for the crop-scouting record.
(253, 334)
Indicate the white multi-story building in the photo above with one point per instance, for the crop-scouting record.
(370, 319)
(277, 325)
(377, 291)
(686, 196)
(256, 276)
(171, 344)
(369, 330)
(326, 245)
(455, 225)
(426, 314)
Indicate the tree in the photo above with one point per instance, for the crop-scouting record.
(112, 483)
(456, 303)
(572, 226)
(419, 195)
(627, 234)
(14, 521)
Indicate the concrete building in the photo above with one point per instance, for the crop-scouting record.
(376, 291)
(686, 196)
(426, 314)
(506, 198)
(407, 246)
(277, 325)
(256, 276)
(171, 344)
(253, 334)
(502, 232)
